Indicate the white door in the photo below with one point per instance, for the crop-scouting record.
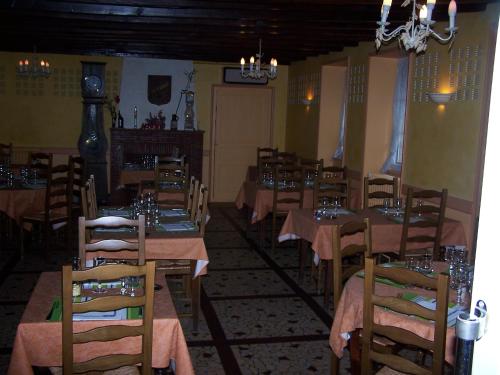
(242, 121)
(486, 351)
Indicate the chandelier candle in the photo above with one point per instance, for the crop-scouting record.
(257, 68)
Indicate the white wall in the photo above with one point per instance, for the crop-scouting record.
(134, 89)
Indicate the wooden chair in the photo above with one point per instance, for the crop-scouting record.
(377, 189)
(88, 199)
(5, 154)
(41, 162)
(342, 258)
(266, 167)
(370, 353)
(57, 207)
(288, 156)
(108, 333)
(77, 171)
(427, 216)
(327, 189)
(134, 244)
(288, 192)
(192, 197)
(172, 185)
(312, 168)
(182, 270)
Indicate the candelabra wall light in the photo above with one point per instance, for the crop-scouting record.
(33, 68)
(414, 34)
(257, 69)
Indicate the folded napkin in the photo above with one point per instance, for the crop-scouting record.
(340, 211)
(121, 211)
(178, 227)
(113, 230)
(391, 211)
(413, 219)
(173, 212)
(430, 303)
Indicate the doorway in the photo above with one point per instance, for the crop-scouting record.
(241, 121)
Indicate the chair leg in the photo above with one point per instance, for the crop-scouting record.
(355, 351)
(21, 239)
(46, 235)
(195, 297)
(273, 234)
(334, 364)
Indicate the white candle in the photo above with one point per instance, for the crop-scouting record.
(242, 62)
(386, 5)
(252, 61)
(423, 13)
(452, 12)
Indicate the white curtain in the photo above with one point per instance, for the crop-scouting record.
(339, 151)
(393, 161)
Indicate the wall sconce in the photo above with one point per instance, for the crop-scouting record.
(306, 101)
(439, 97)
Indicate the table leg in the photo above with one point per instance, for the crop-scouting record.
(328, 282)
(355, 350)
(195, 296)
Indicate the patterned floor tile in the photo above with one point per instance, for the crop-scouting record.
(205, 360)
(10, 315)
(270, 317)
(311, 357)
(234, 258)
(203, 333)
(18, 287)
(219, 224)
(244, 283)
(225, 240)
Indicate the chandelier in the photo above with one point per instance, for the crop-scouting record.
(257, 69)
(414, 35)
(33, 68)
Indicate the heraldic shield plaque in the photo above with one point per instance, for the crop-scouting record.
(159, 89)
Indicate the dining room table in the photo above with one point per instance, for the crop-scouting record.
(20, 198)
(38, 341)
(348, 319)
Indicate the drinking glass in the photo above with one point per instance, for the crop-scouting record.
(425, 265)
(387, 204)
(420, 204)
(461, 276)
(133, 285)
(398, 205)
(412, 263)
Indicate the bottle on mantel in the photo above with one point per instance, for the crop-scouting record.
(120, 120)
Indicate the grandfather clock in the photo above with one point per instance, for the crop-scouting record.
(92, 142)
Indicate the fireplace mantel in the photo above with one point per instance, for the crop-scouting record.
(127, 143)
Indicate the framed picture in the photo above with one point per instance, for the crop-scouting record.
(233, 75)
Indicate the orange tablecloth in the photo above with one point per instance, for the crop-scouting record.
(169, 246)
(16, 202)
(349, 316)
(386, 233)
(38, 342)
(135, 176)
(260, 200)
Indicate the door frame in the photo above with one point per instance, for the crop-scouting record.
(211, 168)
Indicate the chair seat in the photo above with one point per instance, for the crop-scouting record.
(389, 371)
(125, 370)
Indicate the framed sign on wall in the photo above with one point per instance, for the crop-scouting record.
(233, 75)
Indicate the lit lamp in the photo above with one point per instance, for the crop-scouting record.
(440, 97)
(257, 69)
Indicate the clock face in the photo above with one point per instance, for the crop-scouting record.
(92, 84)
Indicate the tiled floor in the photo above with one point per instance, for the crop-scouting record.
(256, 317)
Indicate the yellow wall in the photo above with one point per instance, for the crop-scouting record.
(46, 112)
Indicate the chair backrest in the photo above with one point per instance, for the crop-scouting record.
(200, 218)
(289, 156)
(342, 271)
(287, 180)
(428, 217)
(130, 243)
(172, 185)
(192, 197)
(77, 172)
(327, 189)
(266, 167)
(108, 333)
(377, 189)
(5, 154)
(398, 304)
(40, 161)
(88, 199)
(57, 193)
(312, 168)
(334, 172)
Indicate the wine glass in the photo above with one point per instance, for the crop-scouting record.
(398, 205)
(420, 205)
(387, 204)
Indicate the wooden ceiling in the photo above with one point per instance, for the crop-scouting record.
(211, 30)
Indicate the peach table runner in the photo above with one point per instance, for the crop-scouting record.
(386, 233)
(260, 200)
(349, 315)
(38, 341)
(135, 176)
(17, 202)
